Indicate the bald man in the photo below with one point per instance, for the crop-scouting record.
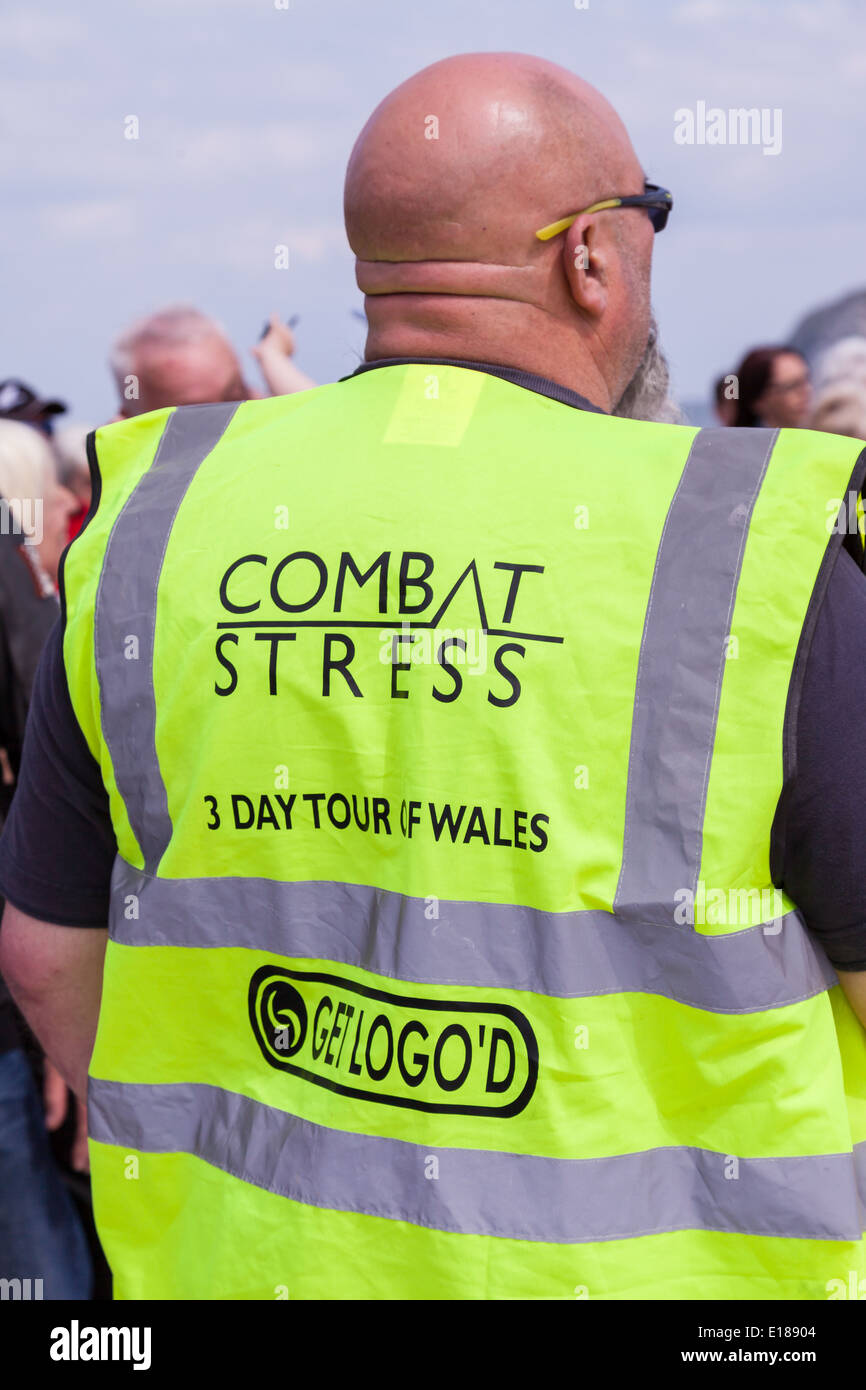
(441, 753)
(180, 356)
(447, 218)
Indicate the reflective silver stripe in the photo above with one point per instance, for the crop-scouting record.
(677, 689)
(484, 1192)
(680, 669)
(559, 954)
(126, 608)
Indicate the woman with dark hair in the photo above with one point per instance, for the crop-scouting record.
(773, 388)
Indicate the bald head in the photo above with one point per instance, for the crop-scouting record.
(176, 356)
(447, 184)
(468, 157)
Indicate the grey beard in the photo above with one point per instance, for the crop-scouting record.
(647, 396)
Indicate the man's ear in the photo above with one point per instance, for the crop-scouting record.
(586, 266)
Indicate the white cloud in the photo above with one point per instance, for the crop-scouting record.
(88, 220)
(88, 147)
(221, 150)
(702, 12)
(820, 16)
(248, 244)
(39, 34)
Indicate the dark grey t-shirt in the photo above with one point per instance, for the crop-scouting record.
(57, 852)
(28, 610)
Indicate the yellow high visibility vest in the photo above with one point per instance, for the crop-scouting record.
(444, 730)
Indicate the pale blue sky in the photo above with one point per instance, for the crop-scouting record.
(248, 113)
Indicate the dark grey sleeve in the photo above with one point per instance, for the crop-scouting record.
(58, 846)
(824, 847)
(26, 617)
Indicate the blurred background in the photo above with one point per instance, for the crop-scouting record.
(246, 112)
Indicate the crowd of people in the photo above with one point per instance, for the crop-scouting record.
(179, 356)
(775, 387)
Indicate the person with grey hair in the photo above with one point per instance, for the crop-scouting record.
(840, 389)
(841, 409)
(180, 356)
(844, 361)
(34, 505)
(40, 1230)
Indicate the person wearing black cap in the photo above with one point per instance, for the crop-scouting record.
(19, 402)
